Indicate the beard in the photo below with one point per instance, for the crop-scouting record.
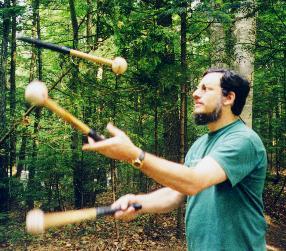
(206, 118)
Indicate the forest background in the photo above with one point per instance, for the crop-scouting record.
(168, 45)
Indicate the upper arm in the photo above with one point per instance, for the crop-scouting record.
(233, 159)
(238, 157)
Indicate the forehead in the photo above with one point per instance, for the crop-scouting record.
(211, 79)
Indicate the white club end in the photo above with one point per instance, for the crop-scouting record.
(119, 65)
(19, 35)
(36, 93)
(35, 221)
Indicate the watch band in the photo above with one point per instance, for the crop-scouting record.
(138, 163)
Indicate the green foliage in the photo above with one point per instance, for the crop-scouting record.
(148, 35)
(269, 85)
(17, 10)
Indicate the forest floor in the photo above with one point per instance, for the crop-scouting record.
(275, 208)
(145, 233)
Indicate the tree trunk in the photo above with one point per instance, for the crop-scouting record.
(74, 23)
(4, 196)
(22, 154)
(76, 163)
(12, 140)
(170, 94)
(151, 182)
(183, 109)
(3, 66)
(140, 177)
(217, 40)
(32, 168)
(283, 163)
(270, 138)
(113, 163)
(36, 55)
(245, 34)
(89, 24)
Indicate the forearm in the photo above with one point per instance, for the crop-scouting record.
(160, 201)
(171, 174)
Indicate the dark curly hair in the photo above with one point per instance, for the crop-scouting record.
(233, 82)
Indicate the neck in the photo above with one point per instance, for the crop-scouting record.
(222, 122)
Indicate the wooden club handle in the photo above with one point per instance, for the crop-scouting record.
(37, 221)
(118, 65)
(68, 117)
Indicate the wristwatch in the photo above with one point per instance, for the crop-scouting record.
(138, 163)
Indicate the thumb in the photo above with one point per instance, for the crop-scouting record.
(113, 130)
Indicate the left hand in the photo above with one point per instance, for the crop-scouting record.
(118, 147)
(127, 212)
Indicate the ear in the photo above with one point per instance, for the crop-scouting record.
(229, 99)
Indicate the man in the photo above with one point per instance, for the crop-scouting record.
(223, 175)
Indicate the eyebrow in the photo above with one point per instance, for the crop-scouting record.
(204, 85)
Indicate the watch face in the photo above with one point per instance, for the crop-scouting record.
(137, 163)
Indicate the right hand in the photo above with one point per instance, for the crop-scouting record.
(119, 146)
(127, 212)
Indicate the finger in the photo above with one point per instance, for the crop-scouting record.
(122, 204)
(91, 141)
(126, 215)
(94, 146)
(119, 215)
(113, 130)
(124, 201)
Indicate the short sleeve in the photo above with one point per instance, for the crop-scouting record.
(237, 156)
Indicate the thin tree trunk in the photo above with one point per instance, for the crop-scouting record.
(270, 137)
(74, 23)
(153, 224)
(38, 29)
(284, 106)
(171, 116)
(140, 177)
(89, 24)
(22, 154)
(35, 55)
(4, 195)
(217, 40)
(3, 66)
(12, 159)
(113, 164)
(277, 139)
(32, 168)
(77, 179)
(151, 182)
(245, 33)
(183, 109)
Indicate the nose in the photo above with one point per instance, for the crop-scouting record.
(196, 94)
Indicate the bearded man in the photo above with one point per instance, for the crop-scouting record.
(222, 177)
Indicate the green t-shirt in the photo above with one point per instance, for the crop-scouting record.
(229, 216)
